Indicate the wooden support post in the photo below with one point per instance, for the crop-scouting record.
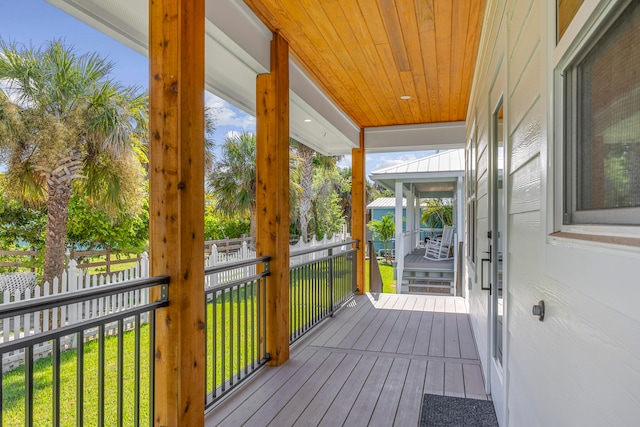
(176, 210)
(358, 208)
(272, 194)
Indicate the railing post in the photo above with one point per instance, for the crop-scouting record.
(330, 281)
(354, 268)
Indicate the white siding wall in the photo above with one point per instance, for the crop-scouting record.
(581, 366)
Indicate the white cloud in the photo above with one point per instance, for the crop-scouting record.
(226, 114)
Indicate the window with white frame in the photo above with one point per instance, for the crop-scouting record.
(602, 124)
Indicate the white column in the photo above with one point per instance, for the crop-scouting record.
(399, 242)
(416, 207)
(410, 217)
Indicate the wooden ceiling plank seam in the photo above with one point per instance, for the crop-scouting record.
(373, 18)
(473, 40)
(472, 43)
(320, 21)
(360, 63)
(409, 87)
(428, 42)
(384, 50)
(375, 25)
(461, 24)
(443, 24)
(315, 42)
(409, 15)
(394, 33)
(369, 57)
(420, 81)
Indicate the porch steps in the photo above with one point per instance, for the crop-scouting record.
(428, 281)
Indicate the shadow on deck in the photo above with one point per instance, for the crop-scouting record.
(370, 365)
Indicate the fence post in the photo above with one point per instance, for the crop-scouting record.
(144, 273)
(213, 260)
(331, 299)
(245, 255)
(72, 286)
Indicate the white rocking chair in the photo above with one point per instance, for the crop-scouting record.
(438, 248)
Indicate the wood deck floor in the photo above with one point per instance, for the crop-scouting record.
(370, 365)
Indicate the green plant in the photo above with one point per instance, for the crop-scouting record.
(384, 229)
(67, 129)
(436, 213)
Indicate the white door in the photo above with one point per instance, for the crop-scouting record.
(496, 237)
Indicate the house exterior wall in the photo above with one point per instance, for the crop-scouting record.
(581, 365)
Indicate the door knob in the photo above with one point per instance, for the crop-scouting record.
(538, 310)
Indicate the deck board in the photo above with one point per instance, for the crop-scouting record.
(453, 380)
(362, 409)
(369, 365)
(305, 395)
(345, 399)
(408, 412)
(316, 409)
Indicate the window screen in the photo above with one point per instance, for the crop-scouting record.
(606, 146)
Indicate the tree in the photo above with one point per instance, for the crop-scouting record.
(436, 213)
(66, 128)
(233, 178)
(306, 161)
(384, 229)
(327, 218)
(21, 226)
(90, 228)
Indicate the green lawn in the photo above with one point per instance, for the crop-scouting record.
(13, 391)
(236, 340)
(388, 281)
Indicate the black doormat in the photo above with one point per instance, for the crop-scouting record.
(446, 411)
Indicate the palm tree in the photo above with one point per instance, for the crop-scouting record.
(436, 213)
(65, 127)
(384, 229)
(233, 178)
(307, 160)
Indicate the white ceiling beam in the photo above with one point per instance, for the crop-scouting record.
(434, 136)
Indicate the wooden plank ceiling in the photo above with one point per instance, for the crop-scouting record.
(367, 54)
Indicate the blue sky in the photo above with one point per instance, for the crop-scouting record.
(36, 22)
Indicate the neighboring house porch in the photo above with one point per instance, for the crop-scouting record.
(436, 176)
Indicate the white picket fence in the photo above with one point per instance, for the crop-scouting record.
(219, 258)
(300, 259)
(74, 279)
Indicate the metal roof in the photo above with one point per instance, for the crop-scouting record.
(434, 176)
(447, 161)
(385, 202)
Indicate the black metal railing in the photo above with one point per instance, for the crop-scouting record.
(94, 371)
(321, 280)
(235, 344)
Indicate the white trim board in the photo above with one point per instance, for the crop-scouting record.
(432, 136)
